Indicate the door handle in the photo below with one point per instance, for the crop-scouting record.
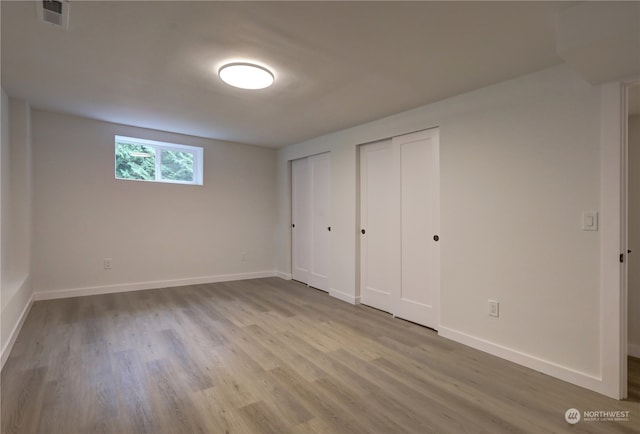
(436, 238)
(363, 231)
(329, 228)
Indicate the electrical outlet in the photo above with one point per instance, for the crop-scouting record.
(107, 263)
(494, 308)
(243, 256)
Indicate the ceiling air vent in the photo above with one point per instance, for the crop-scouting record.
(55, 12)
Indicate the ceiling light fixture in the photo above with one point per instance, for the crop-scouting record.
(246, 75)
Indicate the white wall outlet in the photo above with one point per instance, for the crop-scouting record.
(243, 256)
(107, 263)
(494, 308)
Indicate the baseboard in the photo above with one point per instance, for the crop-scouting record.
(285, 276)
(110, 289)
(6, 350)
(344, 296)
(634, 350)
(564, 373)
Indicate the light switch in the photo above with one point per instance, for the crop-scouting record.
(589, 221)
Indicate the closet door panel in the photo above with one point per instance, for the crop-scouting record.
(320, 176)
(379, 228)
(418, 300)
(310, 205)
(301, 220)
(399, 210)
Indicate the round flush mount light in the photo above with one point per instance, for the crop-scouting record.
(246, 75)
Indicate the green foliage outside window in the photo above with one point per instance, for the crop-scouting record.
(136, 161)
(177, 166)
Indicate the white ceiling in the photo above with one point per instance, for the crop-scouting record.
(337, 64)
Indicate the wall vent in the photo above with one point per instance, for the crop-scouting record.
(54, 12)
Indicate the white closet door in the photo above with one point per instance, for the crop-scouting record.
(418, 300)
(301, 220)
(399, 212)
(320, 178)
(379, 212)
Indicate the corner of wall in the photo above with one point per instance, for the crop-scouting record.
(15, 310)
(340, 295)
(284, 275)
(16, 291)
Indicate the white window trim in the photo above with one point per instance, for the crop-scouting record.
(164, 146)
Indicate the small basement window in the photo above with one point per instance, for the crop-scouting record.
(148, 160)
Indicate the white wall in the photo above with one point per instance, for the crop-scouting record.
(157, 234)
(4, 187)
(21, 190)
(519, 163)
(634, 236)
(16, 290)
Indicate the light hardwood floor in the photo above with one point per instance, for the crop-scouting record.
(269, 356)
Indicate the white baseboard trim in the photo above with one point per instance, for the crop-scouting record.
(344, 296)
(285, 276)
(125, 287)
(564, 373)
(634, 350)
(6, 350)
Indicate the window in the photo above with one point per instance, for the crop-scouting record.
(148, 160)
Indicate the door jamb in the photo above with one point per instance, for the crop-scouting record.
(613, 237)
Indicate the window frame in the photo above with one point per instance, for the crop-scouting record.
(197, 152)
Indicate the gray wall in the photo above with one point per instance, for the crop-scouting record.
(154, 232)
(520, 162)
(16, 216)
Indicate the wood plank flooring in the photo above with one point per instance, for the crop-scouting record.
(269, 356)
